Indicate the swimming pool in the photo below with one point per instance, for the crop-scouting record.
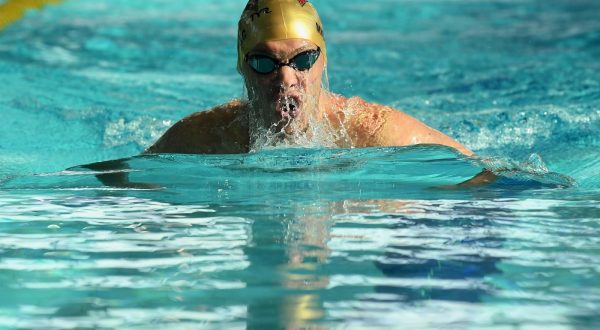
(302, 237)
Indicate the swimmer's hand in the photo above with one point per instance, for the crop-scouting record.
(116, 175)
(485, 177)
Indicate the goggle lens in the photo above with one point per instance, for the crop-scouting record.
(304, 60)
(264, 64)
(261, 64)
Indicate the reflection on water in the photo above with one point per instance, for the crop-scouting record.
(462, 271)
(114, 261)
(292, 239)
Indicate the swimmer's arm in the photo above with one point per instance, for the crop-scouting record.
(401, 129)
(185, 137)
(215, 131)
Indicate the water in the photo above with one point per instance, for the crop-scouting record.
(301, 237)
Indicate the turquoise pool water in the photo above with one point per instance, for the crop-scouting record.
(301, 237)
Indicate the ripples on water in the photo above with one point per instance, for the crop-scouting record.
(294, 237)
(340, 238)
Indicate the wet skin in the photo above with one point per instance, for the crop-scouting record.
(291, 101)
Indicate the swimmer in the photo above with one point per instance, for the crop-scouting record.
(282, 57)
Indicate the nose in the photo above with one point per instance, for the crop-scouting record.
(287, 77)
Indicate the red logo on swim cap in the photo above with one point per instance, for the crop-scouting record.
(252, 5)
(302, 2)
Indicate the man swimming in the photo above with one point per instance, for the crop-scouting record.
(282, 57)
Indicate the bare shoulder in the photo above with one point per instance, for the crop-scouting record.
(365, 121)
(380, 125)
(222, 129)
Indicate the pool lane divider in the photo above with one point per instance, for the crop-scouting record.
(13, 10)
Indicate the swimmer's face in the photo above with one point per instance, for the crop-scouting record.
(287, 94)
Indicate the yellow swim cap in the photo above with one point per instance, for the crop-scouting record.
(265, 20)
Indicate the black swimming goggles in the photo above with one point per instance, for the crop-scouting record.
(263, 64)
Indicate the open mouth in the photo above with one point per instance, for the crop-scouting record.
(288, 106)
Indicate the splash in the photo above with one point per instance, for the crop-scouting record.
(312, 132)
(307, 127)
(315, 132)
(141, 131)
(533, 170)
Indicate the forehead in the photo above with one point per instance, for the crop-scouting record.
(283, 47)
